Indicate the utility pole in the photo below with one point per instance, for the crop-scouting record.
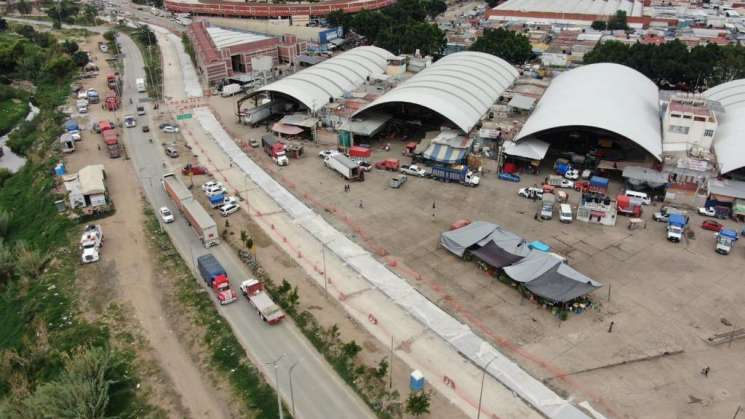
(390, 367)
(292, 395)
(481, 393)
(325, 281)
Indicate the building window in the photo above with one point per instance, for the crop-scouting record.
(709, 133)
(677, 129)
(675, 115)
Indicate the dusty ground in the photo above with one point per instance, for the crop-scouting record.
(127, 269)
(664, 298)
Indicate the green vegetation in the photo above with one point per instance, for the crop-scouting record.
(53, 362)
(402, 28)
(599, 25)
(673, 65)
(418, 403)
(228, 356)
(13, 107)
(618, 21)
(370, 383)
(508, 45)
(189, 48)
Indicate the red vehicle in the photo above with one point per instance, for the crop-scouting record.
(194, 170)
(712, 225)
(112, 103)
(460, 223)
(626, 206)
(104, 126)
(409, 149)
(388, 164)
(582, 186)
(111, 139)
(360, 153)
(268, 311)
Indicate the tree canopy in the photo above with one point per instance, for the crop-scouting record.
(402, 28)
(618, 21)
(508, 45)
(62, 11)
(672, 64)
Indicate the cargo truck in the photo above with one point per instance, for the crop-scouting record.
(627, 206)
(547, 206)
(358, 153)
(462, 176)
(559, 182)
(111, 140)
(676, 224)
(343, 165)
(196, 216)
(725, 241)
(268, 311)
(274, 149)
(140, 83)
(216, 278)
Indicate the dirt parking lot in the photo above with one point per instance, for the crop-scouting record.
(664, 299)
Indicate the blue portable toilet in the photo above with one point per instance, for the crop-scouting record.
(59, 169)
(416, 381)
(539, 245)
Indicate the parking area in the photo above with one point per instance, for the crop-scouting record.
(663, 299)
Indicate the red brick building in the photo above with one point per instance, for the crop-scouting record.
(223, 53)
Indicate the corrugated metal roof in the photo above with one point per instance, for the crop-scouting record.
(461, 87)
(591, 7)
(729, 146)
(224, 38)
(316, 86)
(607, 96)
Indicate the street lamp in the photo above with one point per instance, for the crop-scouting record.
(292, 395)
(275, 364)
(481, 393)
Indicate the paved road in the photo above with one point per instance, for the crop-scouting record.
(318, 390)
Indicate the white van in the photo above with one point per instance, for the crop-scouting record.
(641, 197)
(565, 213)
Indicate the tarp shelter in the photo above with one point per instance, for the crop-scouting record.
(561, 284)
(448, 147)
(299, 120)
(457, 241)
(495, 256)
(71, 125)
(532, 267)
(67, 143)
(286, 129)
(531, 149)
(726, 190)
(91, 180)
(641, 176)
(521, 102)
(366, 126)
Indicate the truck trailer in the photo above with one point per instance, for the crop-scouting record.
(111, 140)
(216, 278)
(343, 165)
(197, 217)
(267, 309)
(462, 176)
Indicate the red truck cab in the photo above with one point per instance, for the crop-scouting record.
(221, 287)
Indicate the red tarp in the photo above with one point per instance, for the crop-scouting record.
(509, 168)
(357, 151)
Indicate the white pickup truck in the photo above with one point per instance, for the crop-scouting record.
(90, 243)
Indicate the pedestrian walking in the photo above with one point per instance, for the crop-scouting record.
(361, 206)
(99, 147)
(610, 328)
(705, 371)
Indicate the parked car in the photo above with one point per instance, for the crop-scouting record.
(387, 164)
(326, 153)
(253, 142)
(230, 200)
(215, 190)
(708, 212)
(414, 170)
(145, 128)
(572, 174)
(531, 192)
(130, 121)
(210, 185)
(509, 177)
(581, 186)
(140, 110)
(169, 128)
(228, 209)
(398, 180)
(166, 215)
(171, 152)
(712, 225)
(194, 170)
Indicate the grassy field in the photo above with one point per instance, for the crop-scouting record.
(13, 108)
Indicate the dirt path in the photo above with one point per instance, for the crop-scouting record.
(136, 282)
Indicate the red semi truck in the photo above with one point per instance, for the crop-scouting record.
(275, 149)
(268, 311)
(111, 140)
(627, 206)
(216, 278)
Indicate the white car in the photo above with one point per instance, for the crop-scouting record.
(707, 212)
(166, 215)
(230, 200)
(130, 121)
(82, 94)
(215, 190)
(171, 129)
(327, 153)
(572, 174)
(210, 185)
(414, 170)
(228, 209)
(565, 183)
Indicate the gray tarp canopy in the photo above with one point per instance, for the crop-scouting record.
(457, 241)
(532, 267)
(495, 256)
(726, 187)
(522, 102)
(643, 175)
(530, 148)
(561, 284)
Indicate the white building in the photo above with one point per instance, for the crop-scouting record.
(689, 126)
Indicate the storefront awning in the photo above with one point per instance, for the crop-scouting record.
(442, 153)
(531, 149)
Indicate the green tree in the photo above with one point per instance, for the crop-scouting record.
(3, 25)
(89, 13)
(62, 11)
(4, 223)
(59, 67)
(109, 36)
(608, 52)
(24, 7)
(508, 45)
(146, 36)
(418, 403)
(492, 3)
(618, 21)
(70, 47)
(599, 25)
(7, 262)
(26, 31)
(80, 58)
(337, 18)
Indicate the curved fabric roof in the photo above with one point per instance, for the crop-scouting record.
(461, 87)
(316, 86)
(729, 143)
(606, 96)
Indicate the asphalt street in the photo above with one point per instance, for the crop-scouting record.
(318, 391)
